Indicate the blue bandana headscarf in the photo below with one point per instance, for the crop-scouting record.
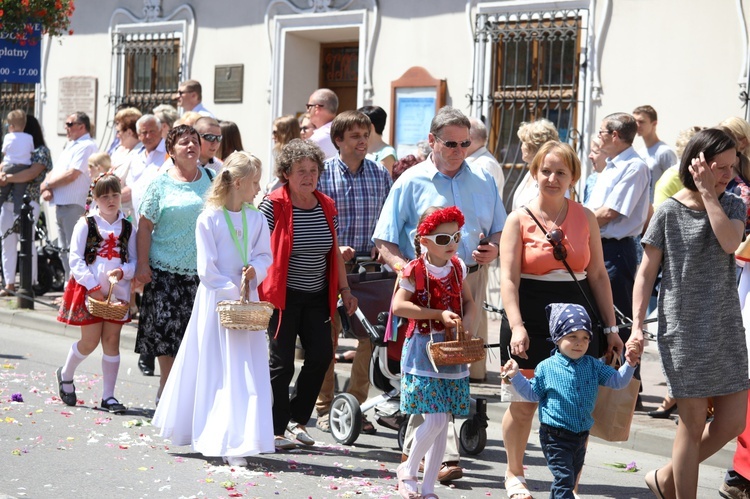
(565, 318)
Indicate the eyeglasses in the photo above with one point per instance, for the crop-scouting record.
(183, 92)
(452, 144)
(211, 137)
(305, 128)
(310, 106)
(604, 132)
(444, 239)
(70, 124)
(555, 237)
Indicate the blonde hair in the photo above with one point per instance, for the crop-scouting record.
(568, 156)
(740, 129)
(239, 165)
(17, 118)
(536, 133)
(188, 118)
(101, 160)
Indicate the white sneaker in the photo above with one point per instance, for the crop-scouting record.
(235, 460)
(299, 432)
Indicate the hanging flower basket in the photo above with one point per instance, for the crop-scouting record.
(19, 19)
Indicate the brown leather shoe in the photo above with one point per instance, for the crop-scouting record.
(449, 471)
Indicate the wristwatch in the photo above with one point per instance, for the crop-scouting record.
(611, 329)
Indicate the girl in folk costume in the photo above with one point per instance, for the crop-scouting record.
(218, 394)
(431, 295)
(102, 254)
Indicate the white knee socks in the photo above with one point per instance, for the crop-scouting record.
(110, 367)
(71, 364)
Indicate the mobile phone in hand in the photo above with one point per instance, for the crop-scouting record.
(485, 240)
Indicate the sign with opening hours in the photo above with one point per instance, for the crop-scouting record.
(21, 60)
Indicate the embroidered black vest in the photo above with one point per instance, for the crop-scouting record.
(94, 239)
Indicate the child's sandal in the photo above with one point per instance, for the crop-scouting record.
(403, 490)
(69, 398)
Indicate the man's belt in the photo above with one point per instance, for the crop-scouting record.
(472, 268)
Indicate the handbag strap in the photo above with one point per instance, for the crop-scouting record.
(570, 271)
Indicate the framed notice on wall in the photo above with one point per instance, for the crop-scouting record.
(415, 98)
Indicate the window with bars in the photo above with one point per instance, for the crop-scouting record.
(535, 74)
(150, 65)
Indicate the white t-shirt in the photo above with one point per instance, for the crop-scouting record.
(17, 148)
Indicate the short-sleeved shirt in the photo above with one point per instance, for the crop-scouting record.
(537, 257)
(359, 197)
(42, 156)
(75, 156)
(623, 186)
(173, 207)
(659, 157)
(472, 190)
(668, 185)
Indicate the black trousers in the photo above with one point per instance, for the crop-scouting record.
(307, 315)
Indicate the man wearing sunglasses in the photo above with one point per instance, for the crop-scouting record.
(620, 201)
(67, 185)
(190, 98)
(445, 179)
(210, 131)
(322, 107)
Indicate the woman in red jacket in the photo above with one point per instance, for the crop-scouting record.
(303, 283)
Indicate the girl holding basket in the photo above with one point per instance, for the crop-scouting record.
(431, 295)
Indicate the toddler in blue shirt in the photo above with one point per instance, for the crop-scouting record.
(566, 386)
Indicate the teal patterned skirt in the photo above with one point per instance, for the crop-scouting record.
(426, 395)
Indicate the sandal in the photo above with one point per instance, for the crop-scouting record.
(431, 495)
(69, 398)
(113, 405)
(403, 490)
(367, 426)
(7, 292)
(653, 483)
(324, 423)
(516, 488)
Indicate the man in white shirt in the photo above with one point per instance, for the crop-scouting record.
(658, 155)
(190, 98)
(621, 203)
(210, 133)
(67, 185)
(145, 162)
(322, 107)
(479, 155)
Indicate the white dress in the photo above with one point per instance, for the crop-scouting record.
(218, 394)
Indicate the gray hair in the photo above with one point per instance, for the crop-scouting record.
(478, 131)
(147, 118)
(328, 99)
(166, 114)
(424, 148)
(294, 152)
(448, 116)
(622, 123)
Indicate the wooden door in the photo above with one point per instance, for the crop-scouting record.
(339, 63)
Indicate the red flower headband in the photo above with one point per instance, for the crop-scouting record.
(438, 217)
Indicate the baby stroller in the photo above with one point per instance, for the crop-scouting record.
(374, 291)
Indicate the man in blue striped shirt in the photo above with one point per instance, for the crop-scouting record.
(359, 188)
(566, 386)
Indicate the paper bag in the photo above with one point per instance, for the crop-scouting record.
(613, 411)
(508, 392)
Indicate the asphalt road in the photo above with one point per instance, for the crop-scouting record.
(48, 449)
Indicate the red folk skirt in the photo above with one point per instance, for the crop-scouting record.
(73, 308)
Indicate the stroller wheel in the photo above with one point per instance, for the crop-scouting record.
(473, 437)
(345, 419)
(402, 433)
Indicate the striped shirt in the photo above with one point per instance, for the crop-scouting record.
(359, 197)
(312, 242)
(566, 389)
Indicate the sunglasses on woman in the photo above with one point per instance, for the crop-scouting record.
(555, 237)
(444, 239)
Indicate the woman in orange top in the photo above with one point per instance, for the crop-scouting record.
(533, 276)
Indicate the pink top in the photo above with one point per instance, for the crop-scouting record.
(537, 257)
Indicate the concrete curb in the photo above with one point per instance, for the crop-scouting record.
(646, 434)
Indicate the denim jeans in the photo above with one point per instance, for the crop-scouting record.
(565, 452)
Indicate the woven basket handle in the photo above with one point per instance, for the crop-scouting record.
(244, 290)
(461, 336)
(112, 282)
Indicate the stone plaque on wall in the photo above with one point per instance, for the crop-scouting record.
(77, 93)
(228, 82)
